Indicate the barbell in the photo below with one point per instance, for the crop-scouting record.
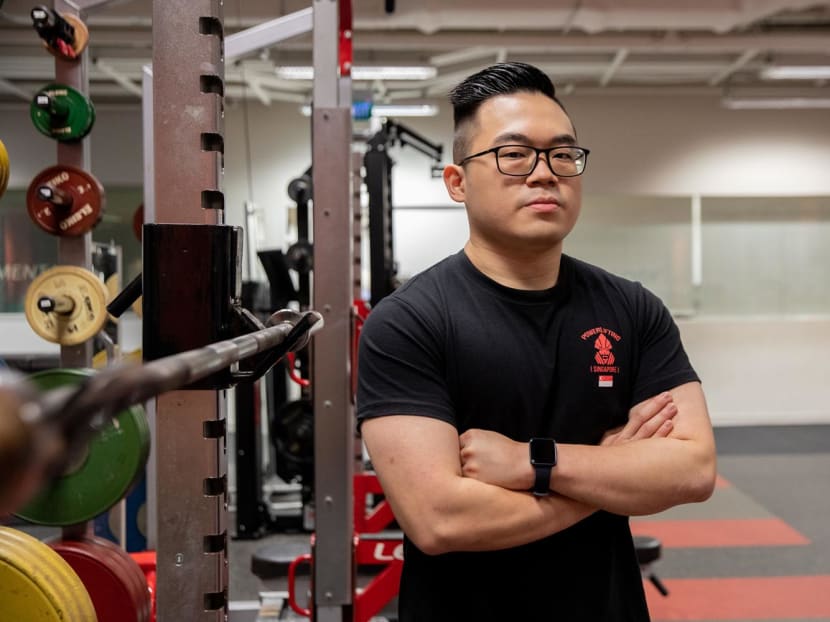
(40, 431)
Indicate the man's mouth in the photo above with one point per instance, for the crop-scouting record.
(543, 204)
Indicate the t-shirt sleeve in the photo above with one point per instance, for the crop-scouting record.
(401, 365)
(663, 363)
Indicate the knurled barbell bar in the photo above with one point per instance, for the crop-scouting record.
(46, 428)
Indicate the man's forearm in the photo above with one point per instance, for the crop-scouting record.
(642, 477)
(483, 517)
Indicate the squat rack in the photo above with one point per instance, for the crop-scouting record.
(183, 185)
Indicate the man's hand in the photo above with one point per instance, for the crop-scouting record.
(651, 418)
(493, 458)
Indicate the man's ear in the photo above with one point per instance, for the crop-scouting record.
(454, 181)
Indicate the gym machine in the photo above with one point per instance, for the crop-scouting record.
(378, 166)
(44, 429)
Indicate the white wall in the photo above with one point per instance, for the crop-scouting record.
(761, 371)
(690, 145)
(657, 145)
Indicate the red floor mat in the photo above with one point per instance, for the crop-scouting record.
(719, 533)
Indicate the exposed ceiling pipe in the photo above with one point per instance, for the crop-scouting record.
(120, 78)
(619, 58)
(742, 60)
(569, 22)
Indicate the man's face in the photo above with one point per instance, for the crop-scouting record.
(529, 213)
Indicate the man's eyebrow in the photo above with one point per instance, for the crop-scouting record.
(516, 137)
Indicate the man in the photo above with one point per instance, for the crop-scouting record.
(510, 352)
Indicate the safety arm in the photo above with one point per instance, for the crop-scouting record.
(417, 462)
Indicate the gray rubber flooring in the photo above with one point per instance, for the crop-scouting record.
(776, 473)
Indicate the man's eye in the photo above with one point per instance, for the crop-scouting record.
(567, 156)
(513, 154)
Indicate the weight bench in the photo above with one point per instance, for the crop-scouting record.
(648, 551)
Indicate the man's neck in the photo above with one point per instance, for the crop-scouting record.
(531, 270)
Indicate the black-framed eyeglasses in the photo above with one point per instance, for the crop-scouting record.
(520, 160)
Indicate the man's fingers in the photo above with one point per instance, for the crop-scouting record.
(656, 423)
(647, 409)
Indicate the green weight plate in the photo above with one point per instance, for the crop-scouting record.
(114, 462)
(61, 112)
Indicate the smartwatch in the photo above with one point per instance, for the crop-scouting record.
(542, 459)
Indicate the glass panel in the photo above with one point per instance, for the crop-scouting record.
(765, 255)
(646, 239)
(25, 251)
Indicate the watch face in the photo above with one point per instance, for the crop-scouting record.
(542, 451)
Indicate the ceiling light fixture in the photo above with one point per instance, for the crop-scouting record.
(392, 110)
(775, 103)
(796, 72)
(364, 73)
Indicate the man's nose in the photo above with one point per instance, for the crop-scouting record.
(542, 170)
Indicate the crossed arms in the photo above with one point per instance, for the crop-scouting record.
(469, 492)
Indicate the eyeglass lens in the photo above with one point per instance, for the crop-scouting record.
(521, 160)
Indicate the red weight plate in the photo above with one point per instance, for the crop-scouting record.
(129, 569)
(111, 577)
(65, 201)
(147, 562)
(138, 221)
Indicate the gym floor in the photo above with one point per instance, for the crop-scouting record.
(759, 549)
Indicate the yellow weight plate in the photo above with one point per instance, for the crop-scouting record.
(137, 308)
(113, 285)
(37, 585)
(4, 168)
(66, 305)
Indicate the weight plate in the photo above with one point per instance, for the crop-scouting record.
(138, 221)
(4, 168)
(115, 582)
(113, 285)
(66, 305)
(115, 460)
(147, 562)
(66, 201)
(37, 585)
(61, 112)
(137, 306)
(80, 43)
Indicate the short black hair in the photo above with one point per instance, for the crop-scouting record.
(499, 79)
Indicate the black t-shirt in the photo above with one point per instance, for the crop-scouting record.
(566, 363)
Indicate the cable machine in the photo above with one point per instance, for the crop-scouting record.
(378, 166)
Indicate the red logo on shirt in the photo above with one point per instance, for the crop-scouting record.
(603, 347)
(603, 340)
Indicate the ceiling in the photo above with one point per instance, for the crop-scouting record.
(622, 46)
